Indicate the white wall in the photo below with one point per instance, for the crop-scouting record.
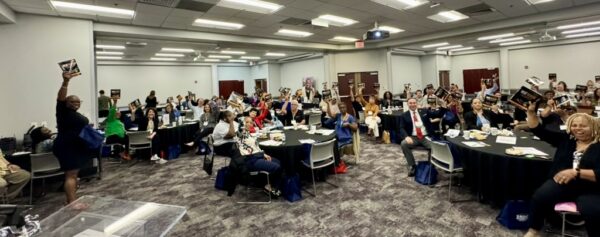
(429, 71)
(136, 81)
(236, 73)
(274, 78)
(30, 78)
(472, 61)
(292, 73)
(405, 69)
(574, 63)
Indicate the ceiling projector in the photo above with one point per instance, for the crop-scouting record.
(376, 34)
(547, 37)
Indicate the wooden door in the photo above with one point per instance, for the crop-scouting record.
(260, 84)
(472, 78)
(226, 87)
(369, 78)
(444, 79)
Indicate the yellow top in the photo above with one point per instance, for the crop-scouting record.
(368, 107)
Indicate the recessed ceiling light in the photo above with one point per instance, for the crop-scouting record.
(212, 60)
(343, 39)
(217, 24)
(337, 20)
(237, 61)
(515, 42)
(580, 30)
(533, 2)
(293, 33)
(163, 59)
(491, 37)
(250, 57)
(103, 46)
(392, 30)
(93, 9)
(257, 6)
(108, 53)
(450, 47)
(571, 26)
(271, 54)
(219, 56)
(401, 4)
(448, 16)
(462, 49)
(178, 55)
(583, 35)
(109, 57)
(506, 40)
(177, 50)
(232, 52)
(435, 45)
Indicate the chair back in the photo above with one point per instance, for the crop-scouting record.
(314, 119)
(138, 138)
(44, 163)
(361, 117)
(321, 152)
(440, 153)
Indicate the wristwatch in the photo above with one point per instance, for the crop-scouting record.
(578, 173)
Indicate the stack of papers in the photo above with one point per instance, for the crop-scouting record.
(531, 151)
(270, 143)
(307, 141)
(506, 140)
(475, 144)
(325, 132)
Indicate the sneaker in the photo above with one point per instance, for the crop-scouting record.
(161, 161)
(190, 144)
(154, 158)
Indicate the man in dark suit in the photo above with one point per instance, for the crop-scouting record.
(414, 127)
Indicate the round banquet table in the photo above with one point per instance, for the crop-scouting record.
(496, 177)
(291, 152)
(391, 122)
(177, 135)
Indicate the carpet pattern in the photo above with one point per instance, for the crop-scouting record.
(375, 198)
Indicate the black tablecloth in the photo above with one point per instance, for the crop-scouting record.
(177, 135)
(391, 122)
(292, 152)
(309, 105)
(497, 177)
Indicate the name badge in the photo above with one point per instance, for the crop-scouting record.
(205, 123)
(563, 127)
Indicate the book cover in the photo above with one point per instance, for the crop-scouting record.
(597, 79)
(431, 100)
(490, 100)
(561, 100)
(552, 76)
(534, 81)
(137, 103)
(523, 97)
(441, 93)
(69, 66)
(581, 88)
(326, 94)
(457, 95)
(115, 93)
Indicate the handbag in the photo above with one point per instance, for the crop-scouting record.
(92, 137)
(426, 173)
(208, 163)
(386, 137)
(173, 152)
(220, 181)
(8, 145)
(291, 189)
(515, 215)
(203, 148)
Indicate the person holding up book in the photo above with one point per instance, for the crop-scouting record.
(479, 117)
(561, 89)
(103, 104)
(115, 131)
(71, 151)
(575, 172)
(488, 87)
(371, 111)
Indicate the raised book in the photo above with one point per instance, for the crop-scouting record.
(137, 103)
(534, 81)
(115, 93)
(69, 66)
(597, 79)
(441, 93)
(490, 100)
(581, 88)
(524, 97)
(326, 94)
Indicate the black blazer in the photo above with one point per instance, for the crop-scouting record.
(143, 124)
(471, 119)
(406, 121)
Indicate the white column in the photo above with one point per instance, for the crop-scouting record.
(215, 79)
(504, 70)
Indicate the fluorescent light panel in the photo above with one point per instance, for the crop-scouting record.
(461, 49)
(401, 4)
(435, 45)
(337, 20)
(217, 24)
(232, 52)
(580, 30)
(343, 39)
(392, 30)
(163, 59)
(492, 37)
(583, 34)
(178, 50)
(104, 46)
(212, 60)
(108, 53)
(448, 16)
(293, 33)
(515, 42)
(534, 2)
(257, 6)
(450, 47)
(219, 56)
(109, 57)
(177, 55)
(250, 57)
(270, 54)
(496, 41)
(92, 9)
(571, 26)
(237, 61)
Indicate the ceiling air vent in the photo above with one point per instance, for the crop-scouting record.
(477, 10)
(163, 3)
(194, 6)
(295, 21)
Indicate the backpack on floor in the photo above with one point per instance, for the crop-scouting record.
(220, 181)
(203, 148)
(515, 215)
(426, 173)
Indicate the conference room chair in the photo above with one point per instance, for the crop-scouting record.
(139, 141)
(442, 158)
(314, 119)
(249, 186)
(564, 209)
(210, 141)
(320, 156)
(44, 165)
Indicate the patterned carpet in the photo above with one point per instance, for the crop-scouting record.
(375, 198)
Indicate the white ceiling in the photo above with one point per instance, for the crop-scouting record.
(414, 21)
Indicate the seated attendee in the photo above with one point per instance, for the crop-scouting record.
(388, 100)
(575, 173)
(479, 117)
(197, 108)
(249, 124)
(12, 177)
(224, 134)
(150, 124)
(115, 131)
(345, 125)
(42, 140)
(415, 126)
(371, 113)
(259, 116)
(428, 97)
(561, 89)
(356, 106)
(294, 116)
(171, 115)
(136, 113)
(453, 116)
(208, 121)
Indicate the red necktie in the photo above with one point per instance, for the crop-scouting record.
(418, 129)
